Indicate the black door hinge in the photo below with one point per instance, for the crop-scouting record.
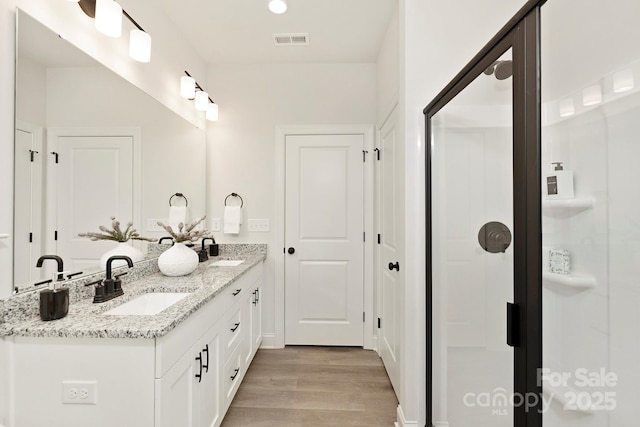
(378, 323)
(363, 316)
(379, 239)
(364, 236)
(30, 237)
(55, 235)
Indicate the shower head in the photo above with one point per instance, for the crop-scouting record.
(501, 69)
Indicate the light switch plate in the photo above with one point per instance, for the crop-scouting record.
(80, 392)
(258, 225)
(215, 224)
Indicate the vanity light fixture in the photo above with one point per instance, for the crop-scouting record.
(592, 95)
(190, 89)
(623, 81)
(108, 20)
(278, 6)
(202, 99)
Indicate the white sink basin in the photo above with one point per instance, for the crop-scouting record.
(147, 304)
(226, 263)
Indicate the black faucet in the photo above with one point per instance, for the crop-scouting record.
(166, 238)
(57, 259)
(111, 288)
(213, 247)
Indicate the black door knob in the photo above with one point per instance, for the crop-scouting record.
(291, 251)
(395, 266)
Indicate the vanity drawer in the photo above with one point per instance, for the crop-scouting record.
(233, 372)
(234, 329)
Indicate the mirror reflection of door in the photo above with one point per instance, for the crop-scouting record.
(94, 181)
(28, 173)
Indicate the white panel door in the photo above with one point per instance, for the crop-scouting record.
(389, 219)
(324, 238)
(95, 182)
(28, 229)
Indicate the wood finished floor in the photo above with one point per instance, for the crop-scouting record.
(314, 386)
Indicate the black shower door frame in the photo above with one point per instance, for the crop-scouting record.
(522, 35)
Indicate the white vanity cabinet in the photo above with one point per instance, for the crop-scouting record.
(185, 378)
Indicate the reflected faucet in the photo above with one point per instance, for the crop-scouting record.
(57, 259)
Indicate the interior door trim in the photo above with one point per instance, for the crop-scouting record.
(277, 339)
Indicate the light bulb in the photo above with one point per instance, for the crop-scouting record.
(212, 112)
(592, 95)
(278, 6)
(140, 46)
(623, 81)
(108, 18)
(187, 87)
(202, 99)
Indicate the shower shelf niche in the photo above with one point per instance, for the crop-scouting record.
(573, 281)
(566, 208)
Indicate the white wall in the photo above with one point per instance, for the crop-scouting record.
(437, 38)
(241, 145)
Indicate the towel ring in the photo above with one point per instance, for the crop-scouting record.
(179, 195)
(234, 195)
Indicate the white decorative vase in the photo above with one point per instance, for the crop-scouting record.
(178, 260)
(123, 248)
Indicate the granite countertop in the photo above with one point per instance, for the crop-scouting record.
(85, 320)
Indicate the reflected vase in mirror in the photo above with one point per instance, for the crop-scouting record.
(178, 260)
(123, 248)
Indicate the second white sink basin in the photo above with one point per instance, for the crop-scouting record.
(227, 262)
(147, 304)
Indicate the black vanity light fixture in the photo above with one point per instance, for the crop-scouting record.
(190, 89)
(108, 20)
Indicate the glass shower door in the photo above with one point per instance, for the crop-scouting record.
(472, 252)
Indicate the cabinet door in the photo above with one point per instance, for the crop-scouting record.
(208, 391)
(175, 403)
(256, 319)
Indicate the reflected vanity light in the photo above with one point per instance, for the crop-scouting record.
(202, 99)
(566, 107)
(187, 87)
(108, 18)
(140, 46)
(623, 81)
(212, 112)
(190, 89)
(592, 95)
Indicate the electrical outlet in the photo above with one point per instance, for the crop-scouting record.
(215, 224)
(258, 225)
(80, 392)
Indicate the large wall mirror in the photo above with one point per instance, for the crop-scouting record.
(88, 146)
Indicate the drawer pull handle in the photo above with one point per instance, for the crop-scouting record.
(199, 375)
(255, 297)
(236, 292)
(235, 374)
(206, 365)
(235, 326)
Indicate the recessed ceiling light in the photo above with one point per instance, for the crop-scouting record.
(278, 6)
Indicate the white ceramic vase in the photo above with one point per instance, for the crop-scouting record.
(178, 260)
(123, 248)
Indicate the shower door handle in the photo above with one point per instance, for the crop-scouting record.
(513, 325)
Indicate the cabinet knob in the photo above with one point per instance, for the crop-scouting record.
(291, 251)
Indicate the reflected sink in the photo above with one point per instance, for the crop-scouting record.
(147, 304)
(226, 263)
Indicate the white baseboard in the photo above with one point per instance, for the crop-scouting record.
(402, 422)
(269, 341)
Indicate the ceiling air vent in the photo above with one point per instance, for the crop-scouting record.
(290, 39)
